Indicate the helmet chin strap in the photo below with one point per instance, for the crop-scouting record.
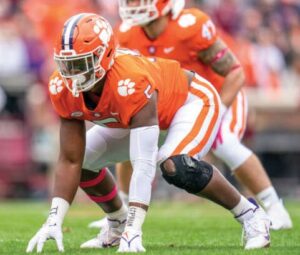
(79, 79)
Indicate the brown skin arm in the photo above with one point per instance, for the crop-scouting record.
(234, 78)
(147, 116)
(68, 167)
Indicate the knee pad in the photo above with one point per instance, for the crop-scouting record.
(190, 174)
(232, 152)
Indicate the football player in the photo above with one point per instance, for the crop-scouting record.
(130, 99)
(163, 28)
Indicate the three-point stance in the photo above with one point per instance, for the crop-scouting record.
(131, 98)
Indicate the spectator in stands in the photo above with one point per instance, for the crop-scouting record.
(291, 75)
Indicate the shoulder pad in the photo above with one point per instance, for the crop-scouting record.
(130, 75)
(190, 22)
(58, 92)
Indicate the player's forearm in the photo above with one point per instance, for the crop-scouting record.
(67, 179)
(139, 194)
(143, 155)
(232, 84)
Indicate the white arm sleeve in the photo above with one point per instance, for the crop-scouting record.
(143, 156)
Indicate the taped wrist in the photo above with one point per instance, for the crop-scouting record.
(190, 174)
(59, 208)
(135, 219)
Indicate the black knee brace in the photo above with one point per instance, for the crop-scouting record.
(191, 175)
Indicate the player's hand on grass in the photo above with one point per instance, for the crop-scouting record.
(131, 241)
(50, 230)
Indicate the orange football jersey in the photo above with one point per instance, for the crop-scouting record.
(128, 87)
(184, 37)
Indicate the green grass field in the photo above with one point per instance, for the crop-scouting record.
(170, 228)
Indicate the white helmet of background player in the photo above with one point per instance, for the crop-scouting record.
(141, 12)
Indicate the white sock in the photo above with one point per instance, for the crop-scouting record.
(118, 217)
(267, 197)
(243, 210)
(135, 219)
(124, 196)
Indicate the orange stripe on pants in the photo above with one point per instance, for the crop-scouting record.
(200, 120)
(235, 117)
(212, 123)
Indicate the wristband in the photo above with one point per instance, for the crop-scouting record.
(135, 218)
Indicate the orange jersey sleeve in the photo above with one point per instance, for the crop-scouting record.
(58, 91)
(132, 86)
(140, 77)
(199, 29)
(126, 91)
(129, 85)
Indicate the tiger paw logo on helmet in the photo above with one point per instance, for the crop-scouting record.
(103, 31)
(126, 87)
(55, 86)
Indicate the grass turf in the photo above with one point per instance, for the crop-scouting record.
(170, 228)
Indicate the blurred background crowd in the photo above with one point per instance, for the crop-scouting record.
(264, 34)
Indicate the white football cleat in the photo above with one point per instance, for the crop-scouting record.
(131, 241)
(98, 223)
(256, 230)
(279, 216)
(109, 235)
